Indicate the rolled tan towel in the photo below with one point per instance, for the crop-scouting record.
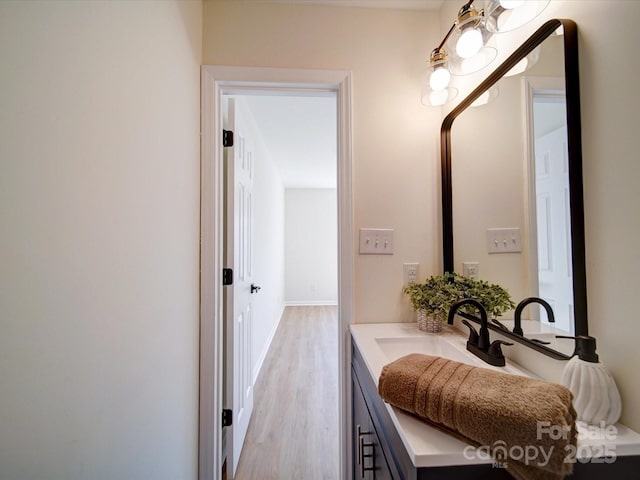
(522, 417)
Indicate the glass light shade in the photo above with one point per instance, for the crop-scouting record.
(525, 64)
(508, 4)
(465, 66)
(519, 67)
(469, 43)
(466, 40)
(486, 97)
(436, 98)
(507, 15)
(439, 78)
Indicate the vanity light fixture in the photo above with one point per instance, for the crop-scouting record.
(438, 92)
(467, 37)
(507, 15)
(467, 40)
(440, 77)
(464, 49)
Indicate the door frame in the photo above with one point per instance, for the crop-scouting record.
(216, 81)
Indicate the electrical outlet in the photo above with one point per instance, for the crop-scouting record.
(410, 272)
(471, 269)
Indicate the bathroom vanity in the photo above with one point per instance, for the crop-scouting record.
(390, 444)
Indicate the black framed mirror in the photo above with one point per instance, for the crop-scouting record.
(512, 170)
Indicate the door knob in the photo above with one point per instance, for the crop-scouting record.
(255, 288)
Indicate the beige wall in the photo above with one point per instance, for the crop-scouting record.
(396, 156)
(311, 249)
(395, 149)
(99, 211)
(609, 69)
(99, 189)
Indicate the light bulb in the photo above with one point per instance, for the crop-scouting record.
(439, 79)
(509, 4)
(469, 43)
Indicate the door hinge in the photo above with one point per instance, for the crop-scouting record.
(227, 417)
(227, 138)
(227, 276)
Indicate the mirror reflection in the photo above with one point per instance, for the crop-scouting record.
(510, 187)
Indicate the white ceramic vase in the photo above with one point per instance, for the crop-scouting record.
(596, 396)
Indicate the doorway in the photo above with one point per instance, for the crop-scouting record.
(281, 174)
(216, 82)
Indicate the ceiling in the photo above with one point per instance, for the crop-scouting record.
(396, 4)
(300, 134)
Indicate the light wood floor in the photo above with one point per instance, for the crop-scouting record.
(293, 433)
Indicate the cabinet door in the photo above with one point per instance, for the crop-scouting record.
(369, 462)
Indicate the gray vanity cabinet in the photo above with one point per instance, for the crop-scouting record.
(377, 443)
(369, 460)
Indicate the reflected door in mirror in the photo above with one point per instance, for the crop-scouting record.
(552, 211)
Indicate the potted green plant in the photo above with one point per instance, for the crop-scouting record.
(433, 298)
(495, 299)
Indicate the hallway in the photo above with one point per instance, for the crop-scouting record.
(293, 433)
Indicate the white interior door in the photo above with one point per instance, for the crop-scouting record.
(553, 224)
(239, 306)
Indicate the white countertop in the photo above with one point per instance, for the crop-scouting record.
(383, 343)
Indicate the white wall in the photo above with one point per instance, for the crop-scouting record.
(311, 246)
(609, 103)
(268, 244)
(395, 144)
(99, 244)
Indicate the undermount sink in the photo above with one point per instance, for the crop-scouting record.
(443, 345)
(395, 348)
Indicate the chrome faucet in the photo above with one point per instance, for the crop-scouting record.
(517, 327)
(479, 343)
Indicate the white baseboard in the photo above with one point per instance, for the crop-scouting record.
(265, 350)
(310, 303)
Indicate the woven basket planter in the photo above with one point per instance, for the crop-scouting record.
(429, 324)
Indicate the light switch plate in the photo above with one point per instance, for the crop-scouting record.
(376, 241)
(504, 240)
